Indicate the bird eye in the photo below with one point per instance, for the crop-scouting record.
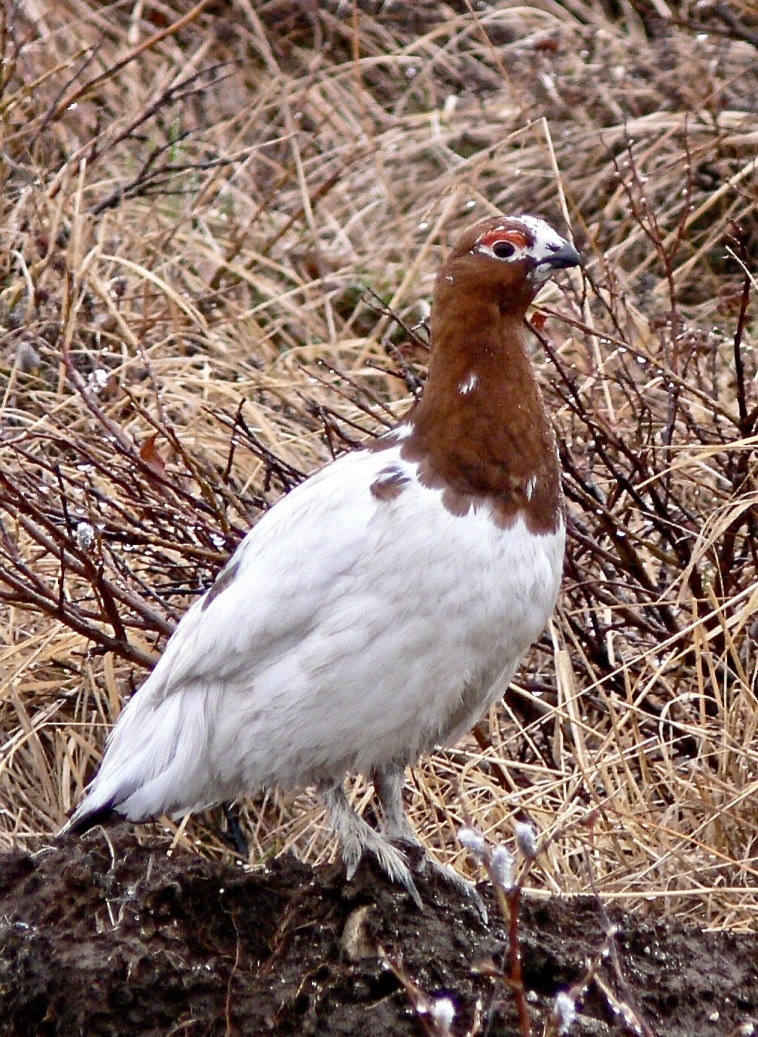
(503, 249)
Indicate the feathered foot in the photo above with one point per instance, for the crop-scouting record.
(357, 837)
(388, 783)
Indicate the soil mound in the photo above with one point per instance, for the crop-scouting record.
(105, 936)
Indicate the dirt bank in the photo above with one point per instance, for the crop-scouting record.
(104, 936)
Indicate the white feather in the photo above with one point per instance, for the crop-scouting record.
(545, 239)
(469, 383)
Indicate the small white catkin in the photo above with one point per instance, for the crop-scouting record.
(503, 866)
(473, 840)
(565, 1011)
(85, 535)
(526, 839)
(443, 1012)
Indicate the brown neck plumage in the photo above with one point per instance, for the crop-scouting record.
(481, 432)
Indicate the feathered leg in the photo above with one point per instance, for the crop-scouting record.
(357, 837)
(388, 782)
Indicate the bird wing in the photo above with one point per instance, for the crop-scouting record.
(215, 672)
(271, 592)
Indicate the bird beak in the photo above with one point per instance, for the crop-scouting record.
(565, 256)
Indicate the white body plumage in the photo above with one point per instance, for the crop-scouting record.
(347, 632)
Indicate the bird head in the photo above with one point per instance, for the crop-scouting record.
(508, 256)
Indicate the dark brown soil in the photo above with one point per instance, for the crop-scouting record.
(127, 940)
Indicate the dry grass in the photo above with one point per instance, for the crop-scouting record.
(218, 236)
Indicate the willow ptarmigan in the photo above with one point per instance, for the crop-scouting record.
(384, 604)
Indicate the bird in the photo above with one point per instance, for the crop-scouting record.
(378, 609)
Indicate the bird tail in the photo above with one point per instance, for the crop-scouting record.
(155, 762)
(81, 821)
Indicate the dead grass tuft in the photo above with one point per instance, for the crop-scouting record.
(220, 227)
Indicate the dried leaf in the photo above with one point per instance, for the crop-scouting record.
(151, 457)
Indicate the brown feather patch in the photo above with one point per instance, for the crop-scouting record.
(389, 483)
